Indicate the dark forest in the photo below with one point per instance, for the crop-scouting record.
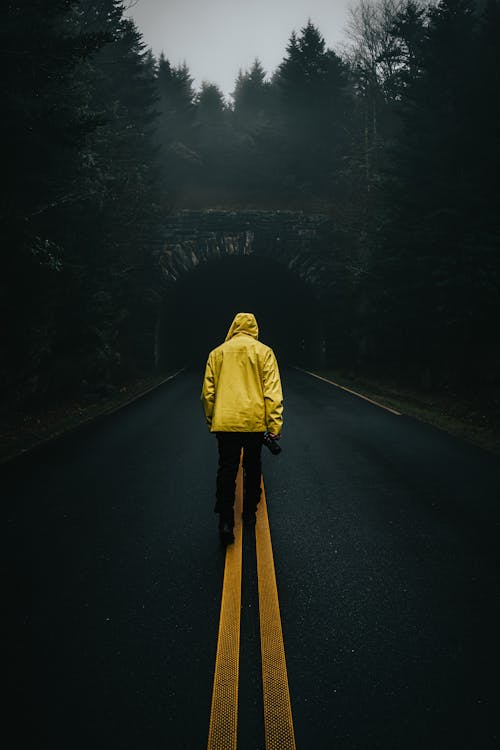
(395, 137)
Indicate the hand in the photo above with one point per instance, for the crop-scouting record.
(274, 437)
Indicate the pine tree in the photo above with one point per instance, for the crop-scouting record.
(210, 104)
(433, 255)
(213, 140)
(45, 121)
(176, 100)
(251, 97)
(176, 131)
(82, 183)
(312, 83)
(119, 168)
(409, 33)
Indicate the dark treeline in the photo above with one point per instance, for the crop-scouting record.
(81, 196)
(395, 136)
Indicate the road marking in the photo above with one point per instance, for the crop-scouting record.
(278, 721)
(67, 431)
(114, 409)
(223, 729)
(354, 393)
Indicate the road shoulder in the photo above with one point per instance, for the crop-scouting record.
(473, 417)
(24, 431)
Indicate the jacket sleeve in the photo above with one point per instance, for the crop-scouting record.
(273, 395)
(208, 392)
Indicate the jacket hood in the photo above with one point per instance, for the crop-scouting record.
(244, 323)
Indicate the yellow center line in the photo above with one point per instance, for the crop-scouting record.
(278, 721)
(348, 390)
(223, 729)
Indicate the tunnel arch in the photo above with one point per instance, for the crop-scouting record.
(196, 311)
(215, 263)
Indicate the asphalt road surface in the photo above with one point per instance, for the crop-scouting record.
(384, 533)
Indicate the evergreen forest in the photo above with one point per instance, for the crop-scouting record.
(395, 136)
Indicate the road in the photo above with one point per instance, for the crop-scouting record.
(384, 532)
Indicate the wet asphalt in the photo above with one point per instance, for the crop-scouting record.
(385, 537)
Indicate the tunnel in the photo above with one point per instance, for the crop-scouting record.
(198, 309)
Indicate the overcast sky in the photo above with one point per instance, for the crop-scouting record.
(218, 37)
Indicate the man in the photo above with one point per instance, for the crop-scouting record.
(242, 400)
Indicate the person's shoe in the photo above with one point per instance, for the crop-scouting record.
(226, 533)
(249, 517)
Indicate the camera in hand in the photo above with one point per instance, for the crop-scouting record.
(271, 443)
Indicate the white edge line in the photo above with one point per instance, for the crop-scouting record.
(354, 393)
(105, 413)
(113, 409)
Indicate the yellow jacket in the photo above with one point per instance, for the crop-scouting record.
(242, 388)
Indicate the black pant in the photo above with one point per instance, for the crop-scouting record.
(230, 445)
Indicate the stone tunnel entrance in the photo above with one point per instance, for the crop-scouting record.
(217, 263)
(199, 308)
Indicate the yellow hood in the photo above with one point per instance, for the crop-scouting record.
(242, 388)
(244, 323)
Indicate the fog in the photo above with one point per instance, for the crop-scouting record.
(216, 39)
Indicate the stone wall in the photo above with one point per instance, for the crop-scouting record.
(194, 242)
(292, 238)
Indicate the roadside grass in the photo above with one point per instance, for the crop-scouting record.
(22, 431)
(473, 416)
